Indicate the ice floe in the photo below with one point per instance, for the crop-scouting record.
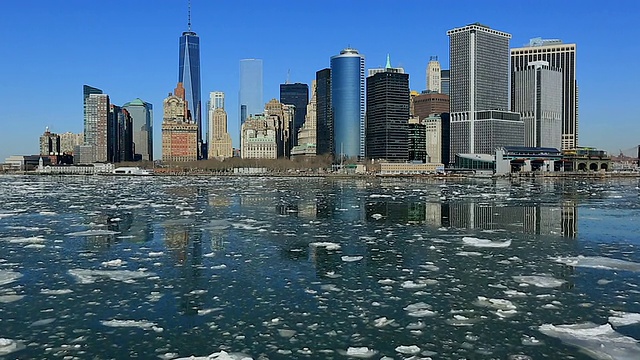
(539, 281)
(7, 346)
(619, 318)
(141, 324)
(599, 262)
(408, 349)
(8, 276)
(93, 232)
(419, 310)
(382, 322)
(359, 352)
(55, 292)
(222, 355)
(485, 243)
(86, 276)
(113, 263)
(327, 245)
(599, 341)
(351, 258)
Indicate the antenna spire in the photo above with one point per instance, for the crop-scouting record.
(189, 15)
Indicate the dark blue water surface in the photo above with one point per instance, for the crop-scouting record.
(276, 268)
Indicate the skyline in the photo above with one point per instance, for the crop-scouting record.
(52, 59)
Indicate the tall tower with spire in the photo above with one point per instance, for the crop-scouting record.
(189, 76)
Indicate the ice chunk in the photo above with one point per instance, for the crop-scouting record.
(408, 350)
(142, 324)
(620, 318)
(286, 333)
(7, 346)
(114, 263)
(419, 310)
(222, 355)
(156, 254)
(85, 276)
(599, 262)
(540, 281)
(92, 232)
(360, 352)
(8, 276)
(382, 322)
(599, 341)
(5, 299)
(326, 245)
(351, 258)
(386, 282)
(495, 303)
(377, 216)
(55, 292)
(484, 243)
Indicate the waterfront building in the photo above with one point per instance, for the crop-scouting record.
(141, 113)
(559, 56)
(437, 137)
(83, 154)
(297, 95)
(282, 115)
(50, 143)
(479, 69)
(251, 88)
(189, 76)
(324, 143)
(219, 139)
(179, 132)
(69, 140)
(259, 139)
(97, 126)
(428, 103)
(347, 103)
(120, 134)
(387, 115)
(417, 141)
(538, 98)
(434, 75)
(445, 82)
(308, 133)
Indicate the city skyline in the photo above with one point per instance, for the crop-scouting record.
(148, 73)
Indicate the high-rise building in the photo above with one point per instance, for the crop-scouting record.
(69, 140)
(561, 56)
(50, 143)
(259, 138)
(445, 82)
(141, 113)
(120, 134)
(387, 115)
(282, 116)
(189, 76)
(216, 100)
(428, 103)
(219, 144)
(434, 75)
(251, 87)
(307, 136)
(324, 142)
(97, 125)
(437, 128)
(88, 126)
(417, 141)
(538, 99)
(297, 95)
(347, 103)
(479, 69)
(179, 132)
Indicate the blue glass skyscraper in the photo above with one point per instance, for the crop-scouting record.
(189, 76)
(251, 88)
(347, 102)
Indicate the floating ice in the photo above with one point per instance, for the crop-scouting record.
(599, 341)
(495, 303)
(351, 258)
(29, 240)
(84, 276)
(484, 243)
(540, 281)
(468, 253)
(360, 352)
(7, 346)
(114, 263)
(408, 350)
(286, 333)
(620, 318)
(386, 282)
(377, 216)
(419, 310)
(43, 322)
(599, 262)
(55, 292)
(8, 276)
(156, 254)
(382, 322)
(222, 355)
(93, 232)
(5, 299)
(142, 324)
(326, 245)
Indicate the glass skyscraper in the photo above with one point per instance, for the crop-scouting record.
(347, 101)
(251, 88)
(297, 95)
(324, 137)
(189, 76)
(142, 114)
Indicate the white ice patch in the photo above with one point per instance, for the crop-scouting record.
(360, 352)
(419, 310)
(539, 281)
(599, 341)
(599, 262)
(408, 350)
(326, 245)
(386, 282)
(93, 232)
(377, 216)
(382, 322)
(85, 276)
(419, 284)
(5, 299)
(222, 355)
(141, 324)
(27, 241)
(7, 346)
(484, 243)
(620, 318)
(351, 258)
(55, 292)
(8, 276)
(113, 263)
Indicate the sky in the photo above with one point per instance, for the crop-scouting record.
(129, 49)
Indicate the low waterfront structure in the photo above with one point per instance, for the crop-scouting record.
(387, 168)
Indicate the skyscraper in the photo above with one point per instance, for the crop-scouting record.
(445, 82)
(479, 69)
(219, 143)
(50, 143)
(297, 95)
(97, 126)
(189, 75)
(561, 56)
(120, 138)
(537, 93)
(179, 133)
(347, 102)
(216, 100)
(141, 113)
(251, 88)
(387, 115)
(324, 142)
(434, 75)
(88, 126)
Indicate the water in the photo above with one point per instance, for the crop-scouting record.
(168, 267)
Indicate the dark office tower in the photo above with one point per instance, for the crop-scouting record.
(387, 116)
(86, 91)
(297, 95)
(120, 135)
(324, 142)
(445, 81)
(189, 76)
(417, 142)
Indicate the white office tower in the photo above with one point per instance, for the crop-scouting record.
(434, 73)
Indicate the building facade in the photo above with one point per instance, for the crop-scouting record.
(560, 56)
(282, 116)
(97, 126)
(189, 76)
(347, 103)
(50, 143)
(307, 136)
(445, 82)
(69, 140)
(437, 137)
(538, 99)
(387, 115)
(120, 127)
(219, 139)
(434, 75)
(179, 132)
(297, 95)
(324, 142)
(259, 138)
(251, 88)
(417, 141)
(426, 104)
(141, 113)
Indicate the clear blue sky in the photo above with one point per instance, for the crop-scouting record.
(130, 49)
